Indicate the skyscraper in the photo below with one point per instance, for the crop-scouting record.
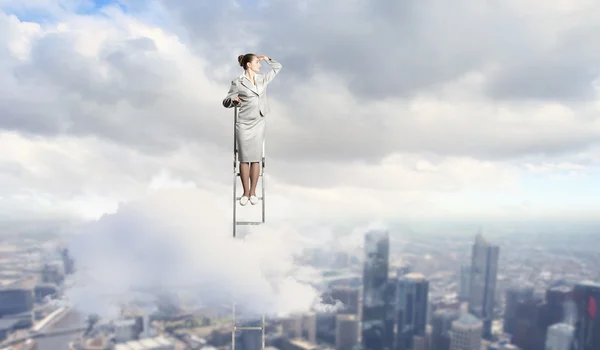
(514, 295)
(375, 277)
(346, 331)
(465, 283)
(390, 311)
(466, 333)
(530, 331)
(559, 299)
(411, 304)
(441, 324)
(559, 337)
(586, 296)
(68, 264)
(484, 269)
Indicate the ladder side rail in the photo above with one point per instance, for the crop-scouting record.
(233, 328)
(235, 153)
(264, 197)
(263, 332)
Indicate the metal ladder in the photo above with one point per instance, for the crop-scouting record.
(238, 328)
(236, 223)
(237, 175)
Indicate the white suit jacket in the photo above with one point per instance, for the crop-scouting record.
(254, 98)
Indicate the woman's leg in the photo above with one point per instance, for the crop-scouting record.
(245, 177)
(254, 174)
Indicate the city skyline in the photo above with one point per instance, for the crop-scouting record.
(435, 157)
(552, 271)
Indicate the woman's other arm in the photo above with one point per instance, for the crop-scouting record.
(232, 98)
(275, 68)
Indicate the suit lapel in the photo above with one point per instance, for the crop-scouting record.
(249, 85)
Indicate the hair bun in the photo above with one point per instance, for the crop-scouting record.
(240, 58)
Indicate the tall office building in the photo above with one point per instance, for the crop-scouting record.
(301, 326)
(465, 283)
(466, 333)
(514, 295)
(52, 273)
(420, 342)
(346, 331)
(375, 286)
(292, 326)
(484, 270)
(326, 327)
(390, 312)
(587, 326)
(559, 337)
(17, 298)
(441, 324)
(249, 340)
(68, 263)
(530, 324)
(411, 305)
(309, 327)
(559, 300)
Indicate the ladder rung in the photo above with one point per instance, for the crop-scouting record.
(249, 223)
(238, 198)
(259, 175)
(248, 328)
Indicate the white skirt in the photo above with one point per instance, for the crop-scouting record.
(250, 136)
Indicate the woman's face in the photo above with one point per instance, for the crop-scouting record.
(254, 64)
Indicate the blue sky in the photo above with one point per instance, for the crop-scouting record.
(99, 4)
(32, 13)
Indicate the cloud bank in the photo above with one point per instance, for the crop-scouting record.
(418, 110)
(179, 241)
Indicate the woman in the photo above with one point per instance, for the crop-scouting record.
(249, 93)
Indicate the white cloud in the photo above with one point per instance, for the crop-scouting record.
(180, 240)
(96, 108)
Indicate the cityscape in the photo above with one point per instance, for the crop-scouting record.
(299, 175)
(425, 292)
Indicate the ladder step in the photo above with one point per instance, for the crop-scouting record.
(248, 328)
(238, 198)
(249, 223)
